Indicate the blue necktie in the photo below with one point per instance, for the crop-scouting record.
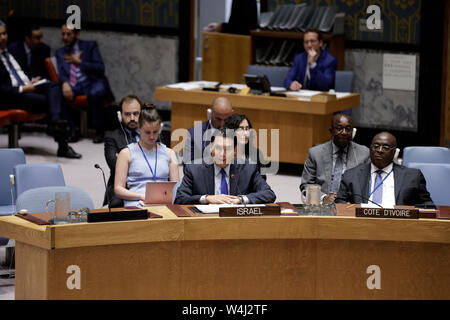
(378, 194)
(223, 183)
(133, 136)
(13, 70)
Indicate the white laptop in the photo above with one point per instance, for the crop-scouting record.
(159, 192)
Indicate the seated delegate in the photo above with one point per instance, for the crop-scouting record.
(383, 181)
(144, 161)
(224, 180)
(246, 141)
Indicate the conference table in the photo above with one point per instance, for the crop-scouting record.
(204, 256)
(301, 124)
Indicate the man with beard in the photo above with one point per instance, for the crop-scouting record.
(383, 181)
(118, 139)
(328, 161)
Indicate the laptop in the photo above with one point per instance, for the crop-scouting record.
(159, 192)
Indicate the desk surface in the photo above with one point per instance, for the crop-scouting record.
(210, 227)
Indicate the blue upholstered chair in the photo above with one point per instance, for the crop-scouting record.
(29, 176)
(34, 200)
(174, 191)
(343, 81)
(276, 75)
(426, 155)
(9, 158)
(437, 176)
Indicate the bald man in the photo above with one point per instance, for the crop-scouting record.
(382, 181)
(199, 136)
(328, 161)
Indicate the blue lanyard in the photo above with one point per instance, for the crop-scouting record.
(156, 161)
(381, 183)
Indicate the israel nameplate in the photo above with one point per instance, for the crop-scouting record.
(249, 211)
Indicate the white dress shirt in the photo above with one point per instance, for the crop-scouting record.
(16, 66)
(388, 200)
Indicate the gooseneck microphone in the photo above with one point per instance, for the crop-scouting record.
(233, 176)
(368, 200)
(97, 166)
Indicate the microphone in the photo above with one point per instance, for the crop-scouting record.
(12, 182)
(97, 166)
(368, 200)
(233, 176)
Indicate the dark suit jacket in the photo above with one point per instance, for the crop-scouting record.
(198, 180)
(6, 88)
(115, 141)
(243, 17)
(409, 185)
(38, 56)
(322, 76)
(191, 146)
(92, 64)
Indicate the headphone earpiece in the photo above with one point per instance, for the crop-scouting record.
(161, 128)
(119, 116)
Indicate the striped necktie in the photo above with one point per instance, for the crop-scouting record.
(13, 70)
(73, 73)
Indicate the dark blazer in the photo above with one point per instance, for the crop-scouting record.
(92, 64)
(115, 141)
(243, 17)
(6, 88)
(409, 185)
(191, 146)
(322, 76)
(198, 180)
(38, 56)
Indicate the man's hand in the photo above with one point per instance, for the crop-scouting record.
(222, 198)
(67, 91)
(213, 27)
(329, 198)
(73, 58)
(28, 88)
(312, 56)
(295, 85)
(34, 80)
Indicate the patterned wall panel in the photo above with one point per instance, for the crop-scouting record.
(401, 18)
(149, 13)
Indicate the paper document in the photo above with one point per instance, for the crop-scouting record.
(38, 83)
(304, 95)
(192, 85)
(214, 208)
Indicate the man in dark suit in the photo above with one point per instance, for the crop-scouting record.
(199, 136)
(223, 180)
(82, 72)
(327, 162)
(18, 90)
(31, 52)
(383, 181)
(115, 141)
(313, 69)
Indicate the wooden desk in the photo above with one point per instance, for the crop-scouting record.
(288, 257)
(301, 124)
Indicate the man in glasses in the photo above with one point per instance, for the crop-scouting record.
(313, 69)
(115, 141)
(382, 181)
(223, 180)
(328, 161)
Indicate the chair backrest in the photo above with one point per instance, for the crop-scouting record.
(30, 176)
(343, 81)
(52, 69)
(437, 176)
(174, 191)
(276, 75)
(9, 158)
(426, 155)
(34, 200)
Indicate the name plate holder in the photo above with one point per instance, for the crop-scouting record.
(250, 211)
(392, 213)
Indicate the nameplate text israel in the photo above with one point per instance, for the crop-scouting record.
(250, 211)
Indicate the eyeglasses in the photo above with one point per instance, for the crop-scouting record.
(310, 41)
(384, 147)
(243, 129)
(340, 129)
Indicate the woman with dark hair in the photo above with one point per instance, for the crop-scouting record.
(246, 140)
(144, 161)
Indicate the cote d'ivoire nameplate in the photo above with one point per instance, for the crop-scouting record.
(387, 213)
